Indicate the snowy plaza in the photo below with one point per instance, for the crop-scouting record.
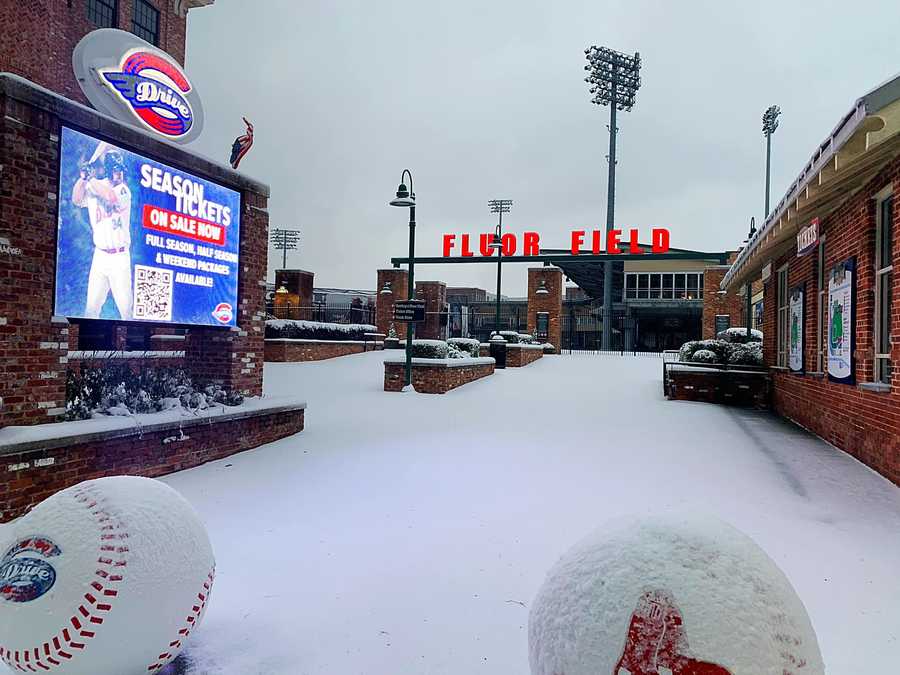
(409, 533)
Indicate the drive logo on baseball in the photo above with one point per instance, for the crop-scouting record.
(115, 583)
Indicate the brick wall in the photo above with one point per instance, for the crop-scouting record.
(33, 351)
(384, 302)
(550, 302)
(521, 355)
(864, 423)
(29, 473)
(715, 302)
(434, 293)
(38, 38)
(437, 379)
(281, 351)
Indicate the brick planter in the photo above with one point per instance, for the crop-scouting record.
(289, 350)
(521, 355)
(436, 376)
(34, 463)
(739, 387)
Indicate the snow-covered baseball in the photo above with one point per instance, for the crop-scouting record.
(108, 577)
(686, 596)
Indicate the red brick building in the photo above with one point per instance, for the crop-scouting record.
(836, 370)
(38, 37)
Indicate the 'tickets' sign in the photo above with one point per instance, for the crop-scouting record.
(614, 243)
(807, 238)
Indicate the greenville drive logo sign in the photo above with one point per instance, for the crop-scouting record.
(137, 83)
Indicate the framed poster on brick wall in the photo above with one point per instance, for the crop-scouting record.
(842, 321)
(796, 344)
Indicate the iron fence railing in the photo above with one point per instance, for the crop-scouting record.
(327, 313)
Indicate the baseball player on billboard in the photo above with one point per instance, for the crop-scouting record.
(101, 189)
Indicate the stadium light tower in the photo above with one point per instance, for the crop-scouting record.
(499, 206)
(285, 240)
(770, 124)
(615, 79)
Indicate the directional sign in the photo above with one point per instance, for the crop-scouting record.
(410, 311)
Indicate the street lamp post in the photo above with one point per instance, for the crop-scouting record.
(770, 124)
(407, 199)
(615, 79)
(499, 206)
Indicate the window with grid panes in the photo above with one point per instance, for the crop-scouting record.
(884, 239)
(145, 22)
(783, 317)
(822, 310)
(102, 13)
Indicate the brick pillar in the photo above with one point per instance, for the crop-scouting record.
(297, 303)
(716, 302)
(33, 343)
(434, 293)
(550, 302)
(384, 302)
(234, 358)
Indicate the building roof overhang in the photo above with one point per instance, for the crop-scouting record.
(862, 143)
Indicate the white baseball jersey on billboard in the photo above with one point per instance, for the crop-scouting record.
(111, 263)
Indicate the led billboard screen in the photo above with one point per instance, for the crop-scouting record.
(142, 241)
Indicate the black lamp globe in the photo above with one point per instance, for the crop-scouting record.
(404, 197)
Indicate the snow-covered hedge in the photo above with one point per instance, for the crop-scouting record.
(510, 336)
(526, 338)
(316, 330)
(430, 349)
(549, 348)
(722, 351)
(739, 335)
(471, 346)
(118, 389)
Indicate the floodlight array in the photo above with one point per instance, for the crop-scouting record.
(500, 205)
(770, 120)
(613, 76)
(285, 240)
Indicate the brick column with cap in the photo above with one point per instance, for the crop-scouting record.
(551, 279)
(395, 281)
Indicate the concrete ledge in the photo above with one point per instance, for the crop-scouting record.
(442, 363)
(34, 463)
(14, 439)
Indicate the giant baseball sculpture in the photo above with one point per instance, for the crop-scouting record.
(108, 577)
(670, 597)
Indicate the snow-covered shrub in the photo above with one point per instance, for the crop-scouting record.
(738, 335)
(704, 356)
(316, 330)
(454, 352)
(429, 349)
(549, 348)
(749, 354)
(717, 347)
(511, 336)
(120, 389)
(471, 346)
(525, 338)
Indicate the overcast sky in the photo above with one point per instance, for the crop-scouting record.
(486, 100)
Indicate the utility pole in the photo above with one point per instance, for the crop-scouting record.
(500, 206)
(615, 79)
(770, 124)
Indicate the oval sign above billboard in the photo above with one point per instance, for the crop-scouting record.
(137, 83)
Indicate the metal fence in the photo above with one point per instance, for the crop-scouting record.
(330, 313)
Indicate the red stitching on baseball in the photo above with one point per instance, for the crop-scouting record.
(63, 640)
(191, 621)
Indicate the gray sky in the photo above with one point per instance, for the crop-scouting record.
(486, 100)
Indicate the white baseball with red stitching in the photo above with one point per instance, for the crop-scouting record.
(109, 577)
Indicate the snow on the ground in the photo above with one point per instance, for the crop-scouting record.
(408, 533)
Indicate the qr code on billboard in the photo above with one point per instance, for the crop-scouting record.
(152, 293)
